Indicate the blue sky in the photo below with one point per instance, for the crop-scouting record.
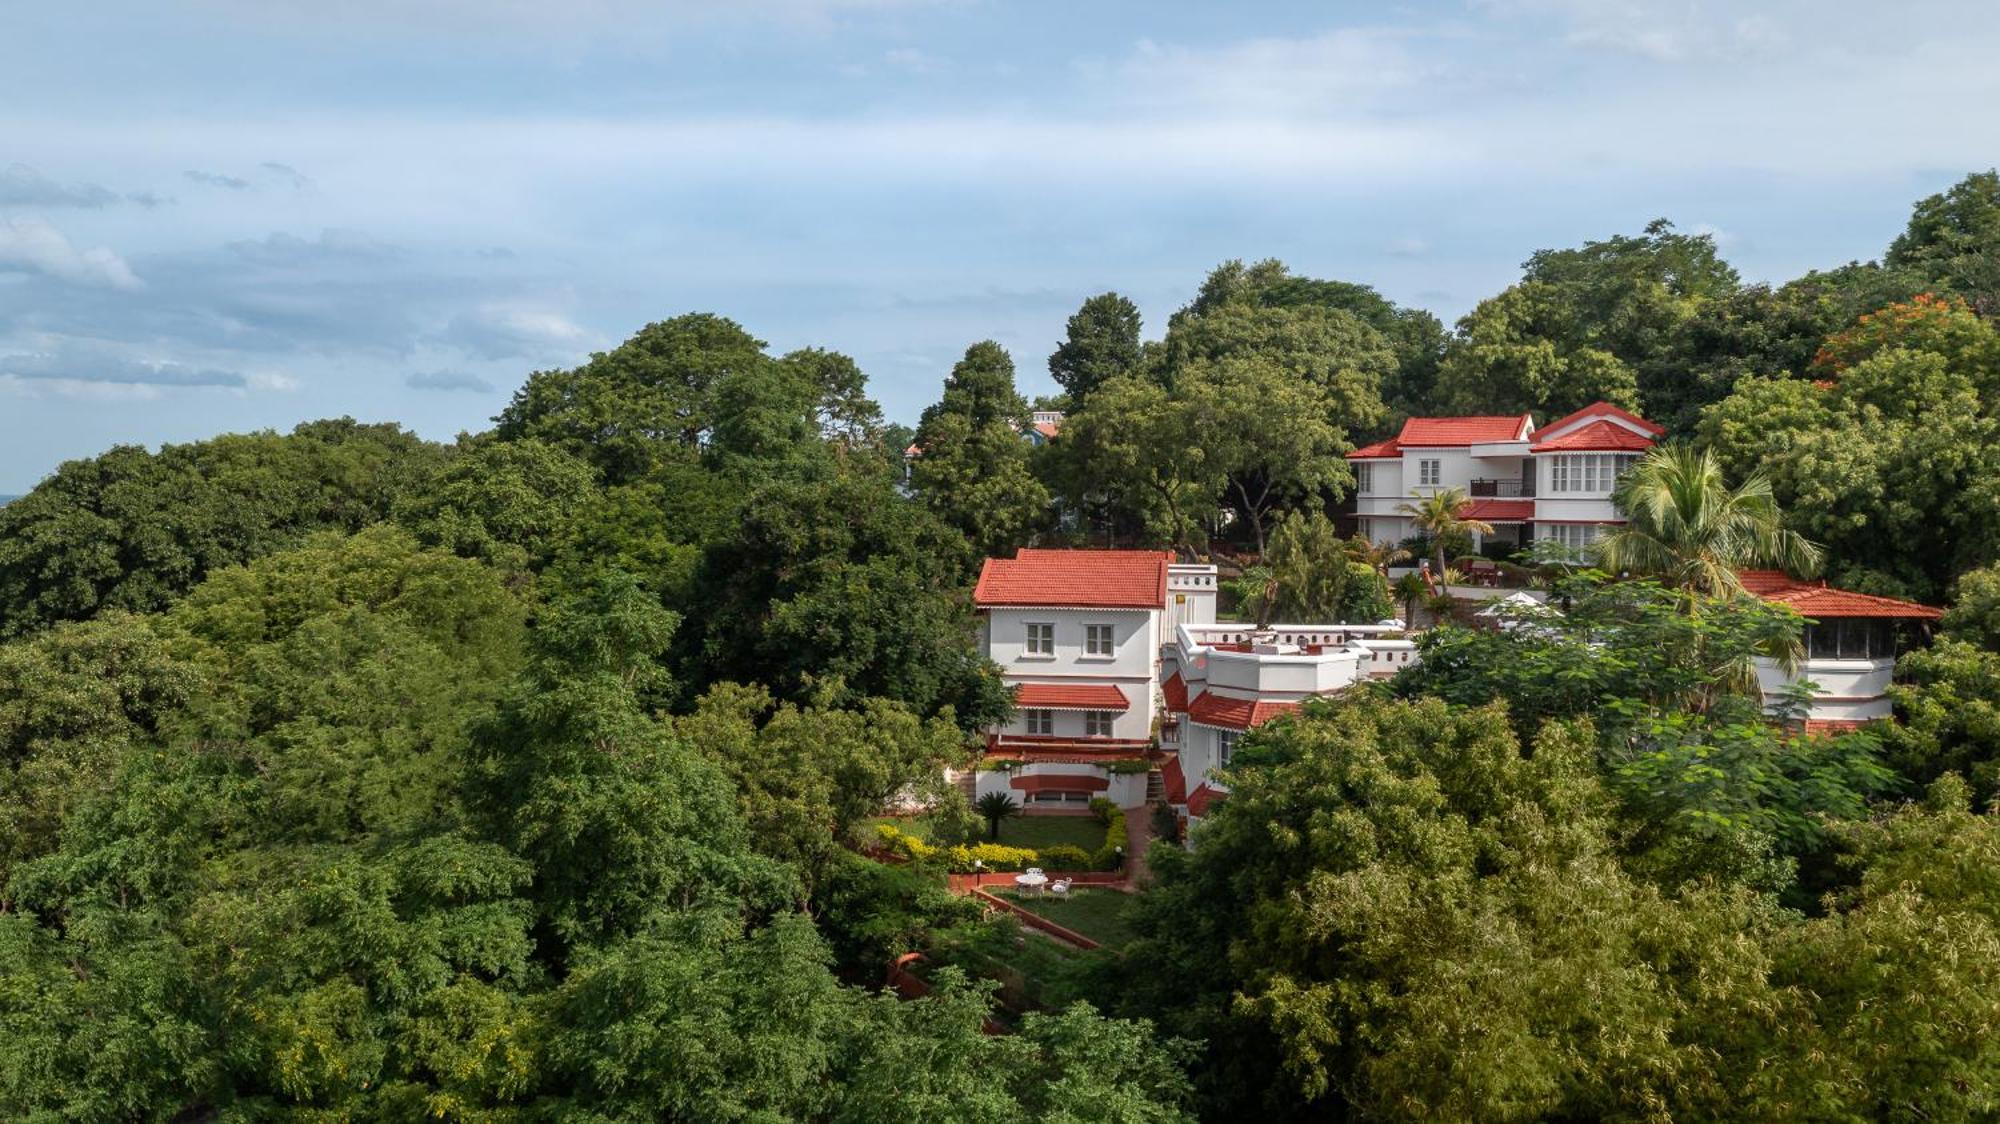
(231, 214)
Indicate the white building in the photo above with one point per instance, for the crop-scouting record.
(1077, 635)
(1852, 641)
(1223, 680)
(1554, 482)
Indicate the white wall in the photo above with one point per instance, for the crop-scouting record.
(1133, 724)
(1127, 790)
(1133, 639)
(1849, 690)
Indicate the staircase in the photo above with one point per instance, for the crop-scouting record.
(968, 784)
(1156, 787)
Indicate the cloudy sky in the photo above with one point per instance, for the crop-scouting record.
(232, 214)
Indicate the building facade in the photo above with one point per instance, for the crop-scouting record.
(1851, 641)
(1553, 482)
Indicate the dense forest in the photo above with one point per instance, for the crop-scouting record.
(353, 776)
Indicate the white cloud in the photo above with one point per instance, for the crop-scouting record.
(22, 186)
(85, 364)
(1339, 71)
(510, 332)
(33, 246)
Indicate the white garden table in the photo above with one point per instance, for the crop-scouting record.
(1034, 881)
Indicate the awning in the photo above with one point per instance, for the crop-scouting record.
(1058, 782)
(1070, 696)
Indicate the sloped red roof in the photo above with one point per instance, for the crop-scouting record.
(1175, 691)
(1071, 696)
(1202, 798)
(1376, 451)
(1058, 782)
(1817, 600)
(1463, 431)
(1212, 709)
(1499, 511)
(1084, 579)
(1601, 410)
(1048, 429)
(1598, 436)
(1176, 781)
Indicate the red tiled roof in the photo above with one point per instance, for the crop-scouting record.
(1084, 579)
(1176, 781)
(1598, 436)
(1199, 801)
(1212, 709)
(1058, 782)
(1817, 600)
(1047, 429)
(1175, 691)
(1499, 511)
(1378, 450)
(1602, 410)
(1071, 696)
(1479, 430)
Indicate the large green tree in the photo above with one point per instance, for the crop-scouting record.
(973, 463)
(1100, 343)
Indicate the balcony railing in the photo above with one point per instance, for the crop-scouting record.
(1503, 489)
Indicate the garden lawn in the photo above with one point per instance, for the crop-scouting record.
(1038, 832)
(1101, 914)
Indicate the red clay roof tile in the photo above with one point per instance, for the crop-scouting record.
(1202, 798)
(1071, 696)
(1499, 511)
(1084, 579)
(1479, 430)
(1598, 436)
(1817, 600)
(1175, 780)
(1212, 709)
(1602, 410)
(1175, 691)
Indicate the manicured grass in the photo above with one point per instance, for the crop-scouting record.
(1038, 832)
(1041, 832)
(1102, 915)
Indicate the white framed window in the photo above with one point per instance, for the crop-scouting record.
(1588, 473)
(1041, 640)
(1097, 723)
(1364, 477)
(1428, 473)
(1225, 745)
(1575, 536)
(1041, 722)
(1097, 640)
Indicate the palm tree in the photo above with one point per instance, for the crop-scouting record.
(1438, 515)
(1410, 589)
(1257, 593)
(996, 806)
(1380, 556)
(1693, 532)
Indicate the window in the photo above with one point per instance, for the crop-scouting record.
(1050, 797)
(1364, 477)
(1588, 473)
(1041, 722)
(1857, 639)
(1575, 536)
(1041, 640)
(1428, 474)
(1096, 723)
(1097, 640)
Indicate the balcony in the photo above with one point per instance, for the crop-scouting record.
(1503, 489)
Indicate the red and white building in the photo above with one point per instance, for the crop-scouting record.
(1118, 666)
(1223, 680)
(1077, 635)
(1851, 640)
(1552, 482)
